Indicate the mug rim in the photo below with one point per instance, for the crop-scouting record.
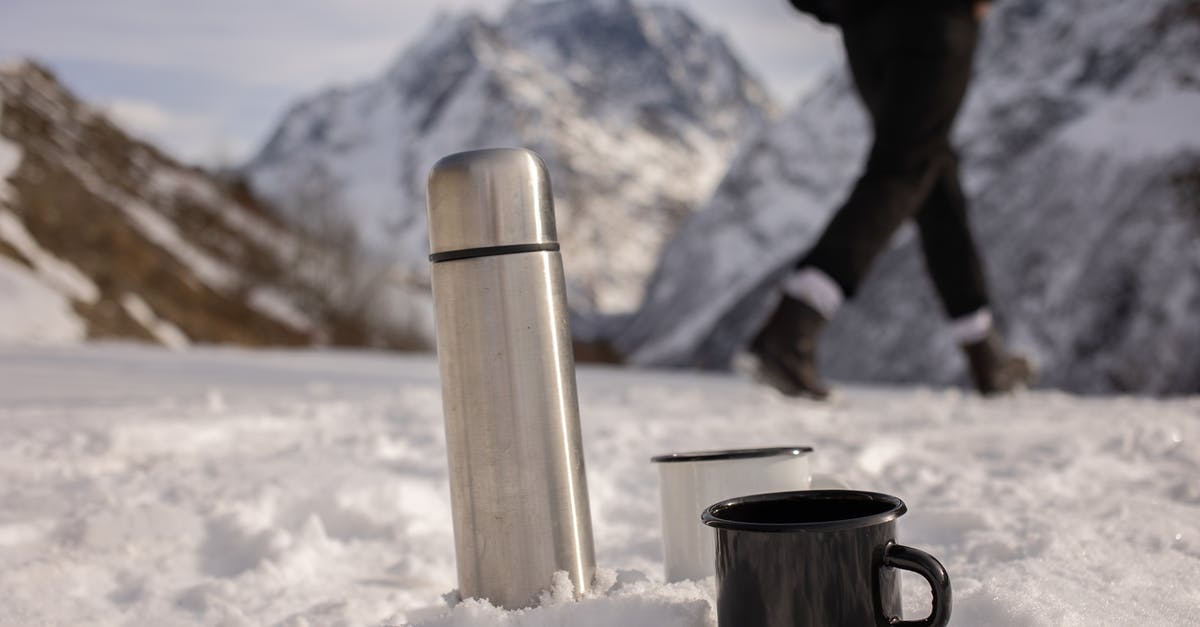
(897, 508)
(736, 453)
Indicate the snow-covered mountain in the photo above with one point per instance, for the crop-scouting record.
(636, 109)
(1082, 146)
(103, 236)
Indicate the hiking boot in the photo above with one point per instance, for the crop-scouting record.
(786, 350)
(994, 369)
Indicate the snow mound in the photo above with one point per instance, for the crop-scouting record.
(620, 598)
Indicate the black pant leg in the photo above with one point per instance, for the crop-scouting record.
(911, 68)
(951, 255)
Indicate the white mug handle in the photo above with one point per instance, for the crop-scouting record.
(828, 482)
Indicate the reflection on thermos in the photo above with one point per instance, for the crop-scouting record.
(517, 480)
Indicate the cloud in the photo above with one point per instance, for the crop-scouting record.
(191, 137)
(788, 50)
(305, 44)
(300, 44)
(158, 64)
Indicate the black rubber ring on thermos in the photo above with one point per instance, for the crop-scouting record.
(492, 251)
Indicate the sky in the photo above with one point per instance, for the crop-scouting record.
(208, 80)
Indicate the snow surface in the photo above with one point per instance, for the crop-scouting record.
(32, 312)
(274, 303)
(10, 158)
(169, 183)
(63, 276)
(144, 486)
(158, 229)
(1157, 125)
(35, 306)
(166, 333)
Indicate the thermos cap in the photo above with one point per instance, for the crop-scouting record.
(488, 202)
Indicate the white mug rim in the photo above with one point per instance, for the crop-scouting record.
(728, 454)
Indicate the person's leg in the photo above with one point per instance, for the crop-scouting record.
(956, 269)
(912, 73)
(866, 45)
(951, 256)
(911, 69)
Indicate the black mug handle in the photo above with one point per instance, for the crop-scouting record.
(924, 564)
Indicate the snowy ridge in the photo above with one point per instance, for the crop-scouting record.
(160, 230)
(167, 183)
(38, 302)
(1080, 153)
(128, 243)
(635, 109)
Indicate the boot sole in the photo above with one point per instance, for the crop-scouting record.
(1021, 381)
(749, 365)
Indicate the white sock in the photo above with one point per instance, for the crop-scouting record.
(972, 327)
(816, 289)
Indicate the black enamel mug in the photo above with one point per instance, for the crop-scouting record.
(820, 558)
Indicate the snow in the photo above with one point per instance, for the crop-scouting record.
(162, 330)
(63, 276)
(144, 486)
(31, 312)
(10, 158)
(36, 305)
(621, 598)
(157, 228)
(271, 302)
(1154, 126)
(169, 182)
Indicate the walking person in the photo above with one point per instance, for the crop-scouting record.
(911, 64)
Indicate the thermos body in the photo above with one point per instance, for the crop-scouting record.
(517, 480)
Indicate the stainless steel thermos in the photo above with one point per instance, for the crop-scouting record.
(517, 483)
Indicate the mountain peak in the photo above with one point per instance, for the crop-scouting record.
(26, 78)
(25, 68)
(636, 110)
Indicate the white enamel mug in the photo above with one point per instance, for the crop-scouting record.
(690, 482)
